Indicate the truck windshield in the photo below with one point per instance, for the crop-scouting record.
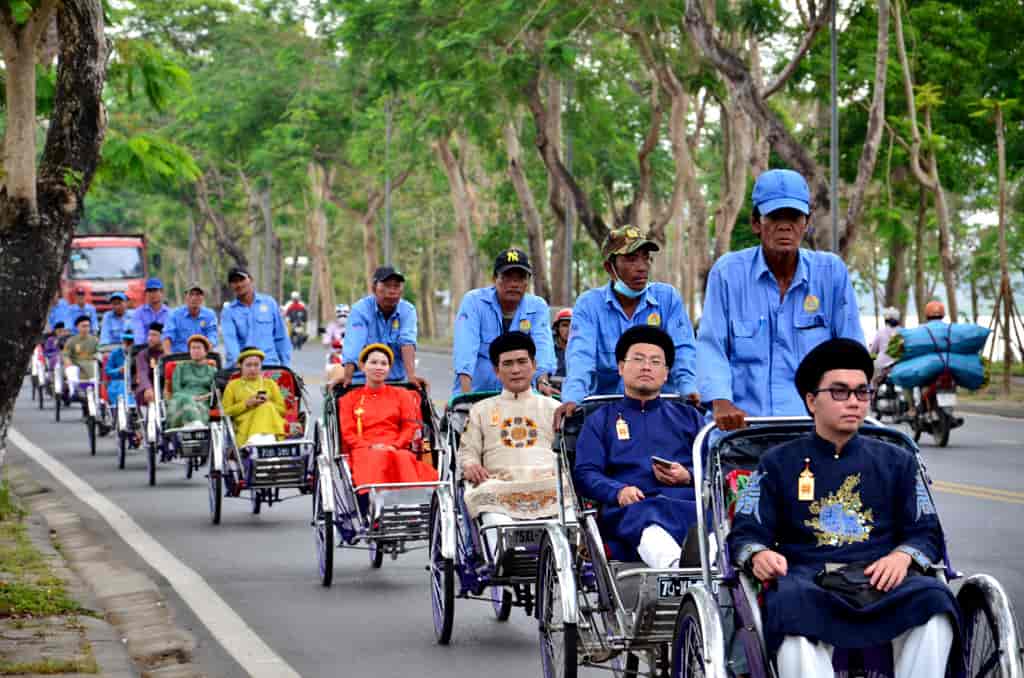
(105, 263)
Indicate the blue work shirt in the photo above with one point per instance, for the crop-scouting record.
(60, 313)
(181, 325)
(76, 310)
(751, 343)
(114, 326)
(144, 316)
(597, 323)
(258, 325)
(479, 322)
(368, 325)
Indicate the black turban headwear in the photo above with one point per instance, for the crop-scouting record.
(834, 354)
(646, 334)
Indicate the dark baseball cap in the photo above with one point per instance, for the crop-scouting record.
(387, 272)
(238, 272)
(118, 295)
(512, 258)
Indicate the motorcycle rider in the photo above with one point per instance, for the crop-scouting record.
(336, 329)
(880, 344)
(297, 316)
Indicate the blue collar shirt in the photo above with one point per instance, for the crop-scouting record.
(367, 324)
(751, 342)
(597, 323)
(479, 322)
(181, 325)
(144, 316)
(60, 313)
(114, 326)
(259, 325)
(75, 310)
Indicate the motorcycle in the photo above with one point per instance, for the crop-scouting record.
(298, 335)
(890, 404)
(933, 409)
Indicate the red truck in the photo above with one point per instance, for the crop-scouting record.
(103, 264)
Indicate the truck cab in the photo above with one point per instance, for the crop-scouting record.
(104, 264)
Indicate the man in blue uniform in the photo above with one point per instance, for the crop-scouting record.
(765, 307)
(253, 319)
(153, 311)
(59, 312)
(601, 315)
(832, 500)
(188, 320)
(81, 307)
(383, 317)
(116, 321)
(634, 456)
(488, 312)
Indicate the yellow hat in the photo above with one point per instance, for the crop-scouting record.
(199, 337)
(383, 348)
(250, 351)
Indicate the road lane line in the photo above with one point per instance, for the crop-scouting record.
(230, 630)
(979, 492)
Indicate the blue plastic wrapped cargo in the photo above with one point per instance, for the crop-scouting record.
(968, 370)
(940, 337)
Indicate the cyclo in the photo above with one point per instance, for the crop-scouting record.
(701, 644)
(96, 410)
(461, 564)
(261, 470)
(127, 418)
(189, 446)
(365, 516)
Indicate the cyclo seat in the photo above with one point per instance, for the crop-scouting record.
(428, 442)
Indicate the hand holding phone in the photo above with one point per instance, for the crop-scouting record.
(661, 461)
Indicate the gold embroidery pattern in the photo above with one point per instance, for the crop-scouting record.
(840, 517)
(519, 432)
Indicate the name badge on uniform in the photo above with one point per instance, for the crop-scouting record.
(805, 484)
(622, 429)
(654, 320)
(263, 308)
(524, 325)
(495, 417)
(394, 324)
(202, 323)
(811, 303)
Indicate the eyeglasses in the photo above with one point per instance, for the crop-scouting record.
(639, 360)
(842, 393)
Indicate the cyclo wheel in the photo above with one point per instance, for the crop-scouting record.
(376, 554)
(688, 644)
(57, 397)
(190, 463)
(41, 396)
(151, 463)
(501, 601)
(442, 582)
(122, 449)
(984, 651)
(257, 501)
(323, 528)
(216, 497)
(558, 638)
(90, 426)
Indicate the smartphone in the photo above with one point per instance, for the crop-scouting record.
(660, 461)
(261, 394)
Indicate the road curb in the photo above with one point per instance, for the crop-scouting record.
(138, 636)
(997, 409)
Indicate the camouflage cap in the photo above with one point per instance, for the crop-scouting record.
(626, 240)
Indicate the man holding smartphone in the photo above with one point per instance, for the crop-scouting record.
(634, 456)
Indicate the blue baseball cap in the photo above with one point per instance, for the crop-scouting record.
(780, 188)
(119, 295)
(154, 284)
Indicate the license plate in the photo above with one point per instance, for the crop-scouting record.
(526, 537)
(270, 452)
(670, 587)
(946, 399)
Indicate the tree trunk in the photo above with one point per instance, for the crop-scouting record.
(921, 293)
(738, 136)
(38, 220)
(1005, 288)
(321, 294)
(560, 208)
(426, 312)
(462, 248)
(895, 280)
(531, 215)
(271, 246)
(873, 139)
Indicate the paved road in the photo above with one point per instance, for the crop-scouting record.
(378, 623)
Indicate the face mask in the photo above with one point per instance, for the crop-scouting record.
(627, 291)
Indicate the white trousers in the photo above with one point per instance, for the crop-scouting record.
(490, 537)
(658, 548)
(72, 374)
(921, 652)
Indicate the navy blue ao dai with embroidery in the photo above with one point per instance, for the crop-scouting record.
(867, 503)
(605, 464)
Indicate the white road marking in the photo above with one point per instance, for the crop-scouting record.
(230, 630)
